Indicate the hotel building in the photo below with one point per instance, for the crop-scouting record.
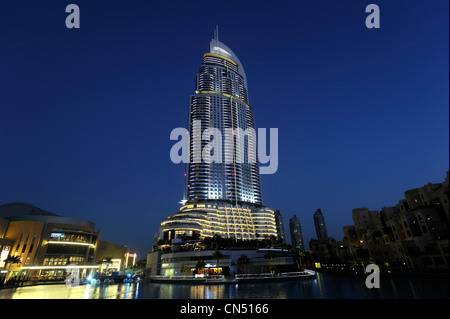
(221, 197)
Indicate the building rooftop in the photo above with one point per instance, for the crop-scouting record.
(217, 47)
(21, 209)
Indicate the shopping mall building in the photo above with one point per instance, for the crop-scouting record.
(49, 245)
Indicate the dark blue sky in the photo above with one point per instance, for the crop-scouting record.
(85, 114)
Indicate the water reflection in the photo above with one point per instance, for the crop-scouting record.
(325, 286)
(207, 292)
(120, 291)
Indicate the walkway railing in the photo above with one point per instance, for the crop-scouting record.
(304, 273)
(188, 277)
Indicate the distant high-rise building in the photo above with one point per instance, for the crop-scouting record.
(319, 223)
(280, 226)
(222, 196)
(296, 233)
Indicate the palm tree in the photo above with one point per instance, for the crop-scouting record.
(244, 260)
(217, 255)
(185, 270)
(200, 265)
(11, 260)
(300, 254)
(269, 257)
(272, 240)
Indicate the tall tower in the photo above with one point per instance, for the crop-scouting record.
(280, 226)
(296, 233)
(319, 222)
(221, 102)
(222, 193)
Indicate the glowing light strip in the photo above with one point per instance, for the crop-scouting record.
(224, 94)
(69, 243)
(220, 57)
(60, 267)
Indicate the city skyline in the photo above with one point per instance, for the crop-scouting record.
(85, 115)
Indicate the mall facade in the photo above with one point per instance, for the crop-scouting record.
(49, 246)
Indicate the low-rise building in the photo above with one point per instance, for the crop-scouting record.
(413, 235)
(231, 261)
(49, 245)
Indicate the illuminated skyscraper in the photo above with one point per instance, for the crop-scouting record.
(221, 102)
(280, 226)
(222, 196)
(296, 233)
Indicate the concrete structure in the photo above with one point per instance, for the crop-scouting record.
(232, 262)
(206, 219)
(364, 220)
(413, 235)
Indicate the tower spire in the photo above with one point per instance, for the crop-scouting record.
(216, 33)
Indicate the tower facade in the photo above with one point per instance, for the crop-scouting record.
(296, 233)
(280, 226)
(222, 193)
(221, 104)
(319, 223)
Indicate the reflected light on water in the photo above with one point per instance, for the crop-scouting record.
(207, 292)
(120, 291)
(86, 292)
(325, 286)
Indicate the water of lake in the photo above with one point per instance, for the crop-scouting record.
(325, 286)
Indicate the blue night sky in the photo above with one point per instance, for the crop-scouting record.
(86, 114)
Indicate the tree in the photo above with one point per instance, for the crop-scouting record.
(269, 257)
(272, 240)
(141, 263)
(200, 265)
(217, 255)
(11, 260)
(300, 254)
(244, 260)
(185, 270)
(216, 241)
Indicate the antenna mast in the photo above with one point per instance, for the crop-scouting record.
(216, 33)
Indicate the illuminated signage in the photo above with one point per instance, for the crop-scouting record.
(211, 271)
(4, 254)
(57, 235)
